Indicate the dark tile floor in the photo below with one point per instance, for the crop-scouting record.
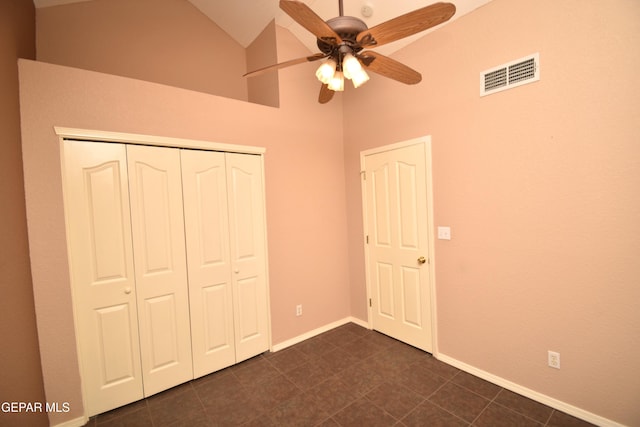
(348, 376)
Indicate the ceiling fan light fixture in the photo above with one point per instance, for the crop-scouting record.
(341, 40)
(326, 71)
(337, 82)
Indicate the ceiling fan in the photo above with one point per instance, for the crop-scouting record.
(341, 41)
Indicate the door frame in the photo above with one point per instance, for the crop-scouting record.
(426, 142)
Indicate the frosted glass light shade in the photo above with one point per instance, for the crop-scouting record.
(353, 70)
(350, 65)
(326, 71)
(337, 82)
(359, 78)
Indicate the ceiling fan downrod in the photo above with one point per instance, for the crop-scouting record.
(340, 8)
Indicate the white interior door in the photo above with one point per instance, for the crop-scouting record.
(204, 182)
(103, 282)
(155, 186)
(397, 226)
(248, 254)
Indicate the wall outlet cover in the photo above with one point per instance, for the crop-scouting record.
(444, 233)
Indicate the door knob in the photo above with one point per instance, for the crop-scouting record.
(127, 290)
(422, 260)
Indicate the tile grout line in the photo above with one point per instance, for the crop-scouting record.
(204, 410)
(448, 380)
(553, 411)
(492, 400)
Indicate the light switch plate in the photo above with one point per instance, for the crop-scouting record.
(444, 233)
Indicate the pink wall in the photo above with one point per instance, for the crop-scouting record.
(163, 41)
(304, 190)
(540, 186)
(20, 376)
(264, 88)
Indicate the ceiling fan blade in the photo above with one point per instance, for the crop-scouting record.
(326, 94)
(303, 15)
(406, 25)
(311, 58)
(388, 67)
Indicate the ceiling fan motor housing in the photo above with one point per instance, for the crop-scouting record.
(348, 28)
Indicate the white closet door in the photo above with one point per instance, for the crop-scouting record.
(101, 259)
(155, 186)
(204, 184)
(248, 253)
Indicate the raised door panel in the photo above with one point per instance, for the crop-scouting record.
(380, 207)
(248, 253)
(385, 297)
(410, 206)
(102, 273)
(155, 184)
(383, 241)
(204, 184)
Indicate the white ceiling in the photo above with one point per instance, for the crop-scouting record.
(244, 20)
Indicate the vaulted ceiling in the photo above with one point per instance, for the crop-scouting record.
(244, 20)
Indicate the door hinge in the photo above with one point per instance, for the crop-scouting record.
(369, 302)
(367, 236)
(363, 174)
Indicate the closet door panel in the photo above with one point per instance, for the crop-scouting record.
(114, 333)
(207, 233)
(248, 253)
(163, 332)
(158, 237)
(102, 273)
(248, 294)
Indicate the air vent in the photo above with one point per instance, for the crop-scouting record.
(507, 76)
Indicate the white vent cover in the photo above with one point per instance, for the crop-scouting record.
(507, 76)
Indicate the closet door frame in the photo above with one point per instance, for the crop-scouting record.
(86, 135)
(159, 141)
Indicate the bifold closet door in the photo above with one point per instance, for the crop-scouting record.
(247, 224)
(102, 273)
(225, 229)
(140, 218)
(207, 232)
(155, 187)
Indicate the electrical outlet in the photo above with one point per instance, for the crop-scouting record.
(553, 359)
(299, 310)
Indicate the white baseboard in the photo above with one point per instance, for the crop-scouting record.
(76, 422)
(359, 322)
(318, 331)
(531, 394)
